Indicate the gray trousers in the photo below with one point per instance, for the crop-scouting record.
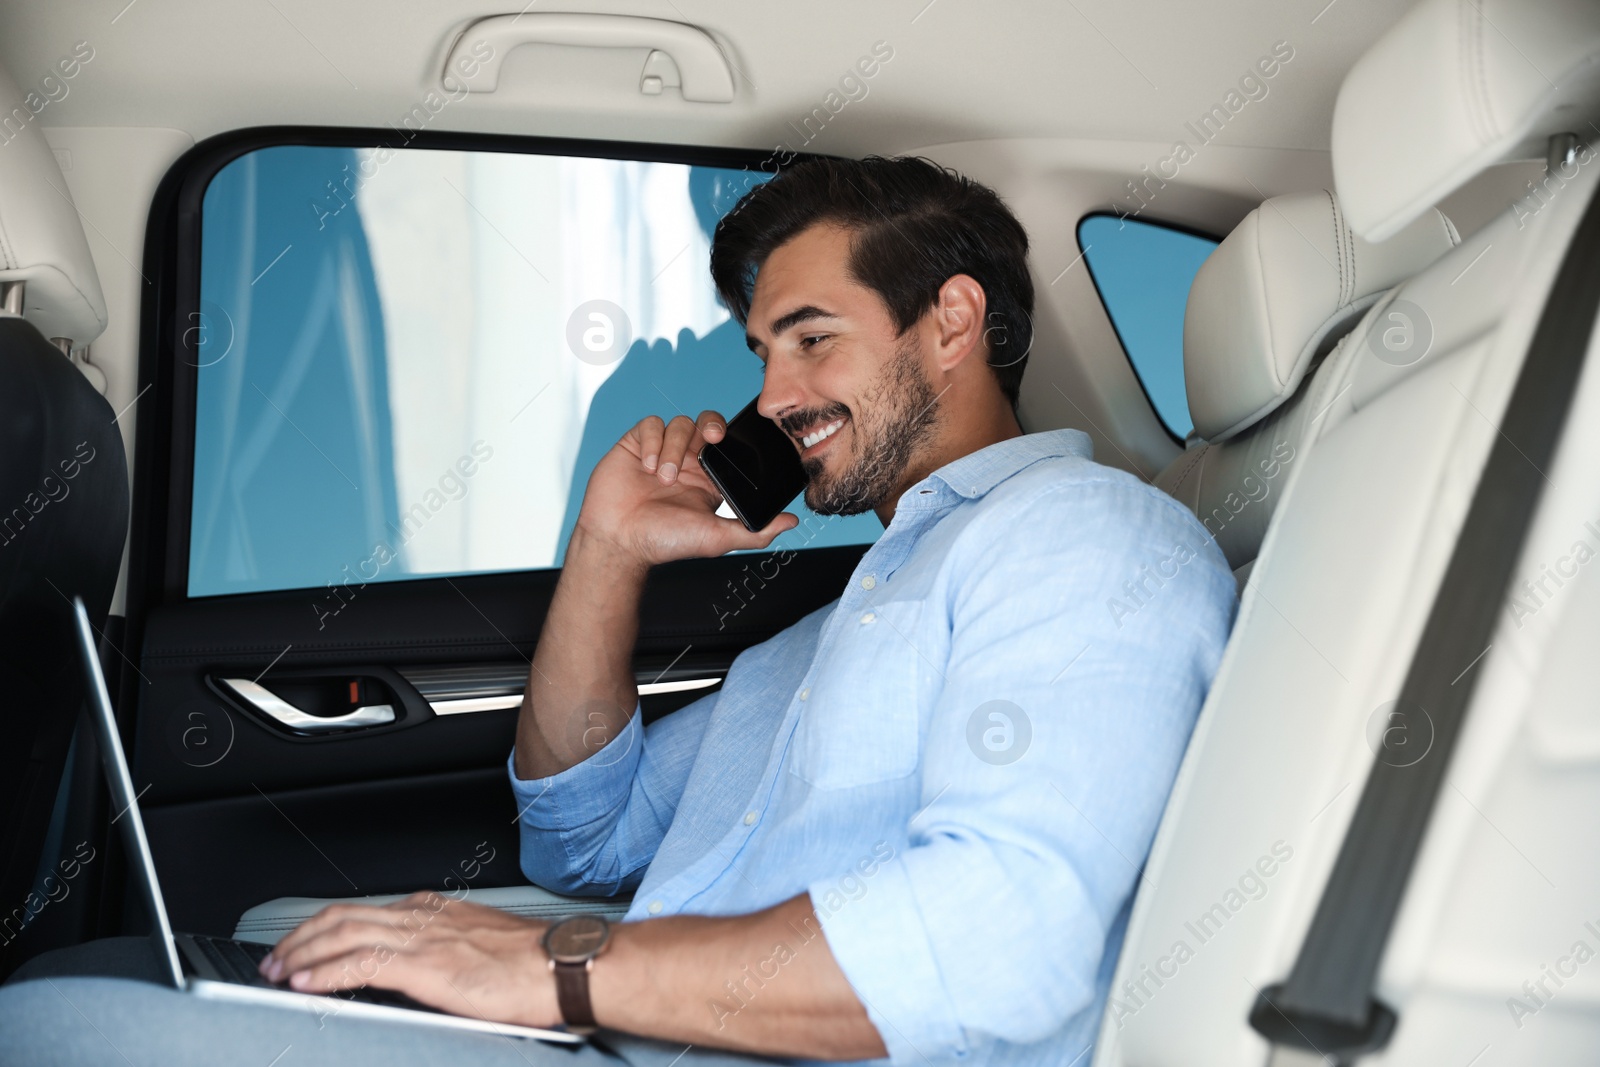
(103, 1003)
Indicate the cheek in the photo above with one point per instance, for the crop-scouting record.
(830, 395)
(853, 378)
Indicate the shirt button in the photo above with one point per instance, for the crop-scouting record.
(749, 818)
(804, 693)
(655, 907)
(868, 617)
(868, 582)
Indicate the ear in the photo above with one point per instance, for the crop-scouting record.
(958, 321)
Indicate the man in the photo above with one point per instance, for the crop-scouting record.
(910, 825)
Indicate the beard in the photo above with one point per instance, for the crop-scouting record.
(897, 416)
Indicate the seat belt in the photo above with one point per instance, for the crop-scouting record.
(1326, 1006)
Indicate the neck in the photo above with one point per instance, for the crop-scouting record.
(950, 444)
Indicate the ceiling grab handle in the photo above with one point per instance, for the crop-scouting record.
(701, 64)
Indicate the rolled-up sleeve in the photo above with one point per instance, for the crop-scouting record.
(1082, 638)
(592, 829)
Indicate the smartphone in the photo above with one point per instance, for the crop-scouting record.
(756, 468)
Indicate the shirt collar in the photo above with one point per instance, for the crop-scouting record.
(975, 474)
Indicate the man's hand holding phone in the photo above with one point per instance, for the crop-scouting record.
(650, 498)
(649, 501)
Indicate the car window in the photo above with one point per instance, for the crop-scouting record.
(1143, 272)
(411, 359)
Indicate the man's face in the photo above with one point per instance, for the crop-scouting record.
(854, 396)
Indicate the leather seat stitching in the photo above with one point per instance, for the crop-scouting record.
(1188, 468)
(1338, 243)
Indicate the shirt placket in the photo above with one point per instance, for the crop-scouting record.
(877, 565)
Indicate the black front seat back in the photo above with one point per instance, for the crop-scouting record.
(63, 519)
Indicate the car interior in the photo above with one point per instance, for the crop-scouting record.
(314, 319)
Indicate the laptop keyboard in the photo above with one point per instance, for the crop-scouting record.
(236, 962)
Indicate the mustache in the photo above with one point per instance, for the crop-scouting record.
(796, 424)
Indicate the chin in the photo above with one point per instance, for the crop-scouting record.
(823, 497)
(851, 491)
(833, 507)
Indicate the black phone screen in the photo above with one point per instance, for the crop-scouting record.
(755, 466)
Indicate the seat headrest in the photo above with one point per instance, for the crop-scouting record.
(41, 240)
(1454, 87)
(1275, 294)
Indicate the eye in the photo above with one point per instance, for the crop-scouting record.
(812, 339)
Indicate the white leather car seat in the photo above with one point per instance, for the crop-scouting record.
(1495, 954)
(42, 243)
(1278, 294)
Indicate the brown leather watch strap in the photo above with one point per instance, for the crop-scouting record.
(572, 995)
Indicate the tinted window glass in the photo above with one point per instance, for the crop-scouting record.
(410, 360)
(1143, 272)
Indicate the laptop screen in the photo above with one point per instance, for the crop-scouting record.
(124, 799)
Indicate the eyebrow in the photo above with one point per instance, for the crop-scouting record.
(791, 319)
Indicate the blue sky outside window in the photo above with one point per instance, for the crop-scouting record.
(1143, 272)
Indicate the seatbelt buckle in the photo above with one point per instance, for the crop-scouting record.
(1289, 1027)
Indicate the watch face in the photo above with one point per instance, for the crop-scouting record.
(577, 939)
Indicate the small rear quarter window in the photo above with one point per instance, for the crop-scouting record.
(1143, 272)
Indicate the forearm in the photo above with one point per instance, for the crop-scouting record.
(648, 501)
(764, 983)
(581, 688)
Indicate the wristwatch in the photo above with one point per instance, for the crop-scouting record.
(573, 944)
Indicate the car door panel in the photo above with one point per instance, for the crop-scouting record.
(241, 810)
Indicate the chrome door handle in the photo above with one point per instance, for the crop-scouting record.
(270, 704)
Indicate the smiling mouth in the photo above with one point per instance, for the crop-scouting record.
(822, 434)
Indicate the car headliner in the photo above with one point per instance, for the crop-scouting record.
(961, 70)
(1056, 103)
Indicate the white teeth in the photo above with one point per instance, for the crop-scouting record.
(821, 435)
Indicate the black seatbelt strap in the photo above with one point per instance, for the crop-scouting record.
(1326, 1004)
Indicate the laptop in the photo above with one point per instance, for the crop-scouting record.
(220, 968)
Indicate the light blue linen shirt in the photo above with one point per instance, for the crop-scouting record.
(962, 760)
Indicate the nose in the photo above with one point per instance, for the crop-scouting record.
(781, 389)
